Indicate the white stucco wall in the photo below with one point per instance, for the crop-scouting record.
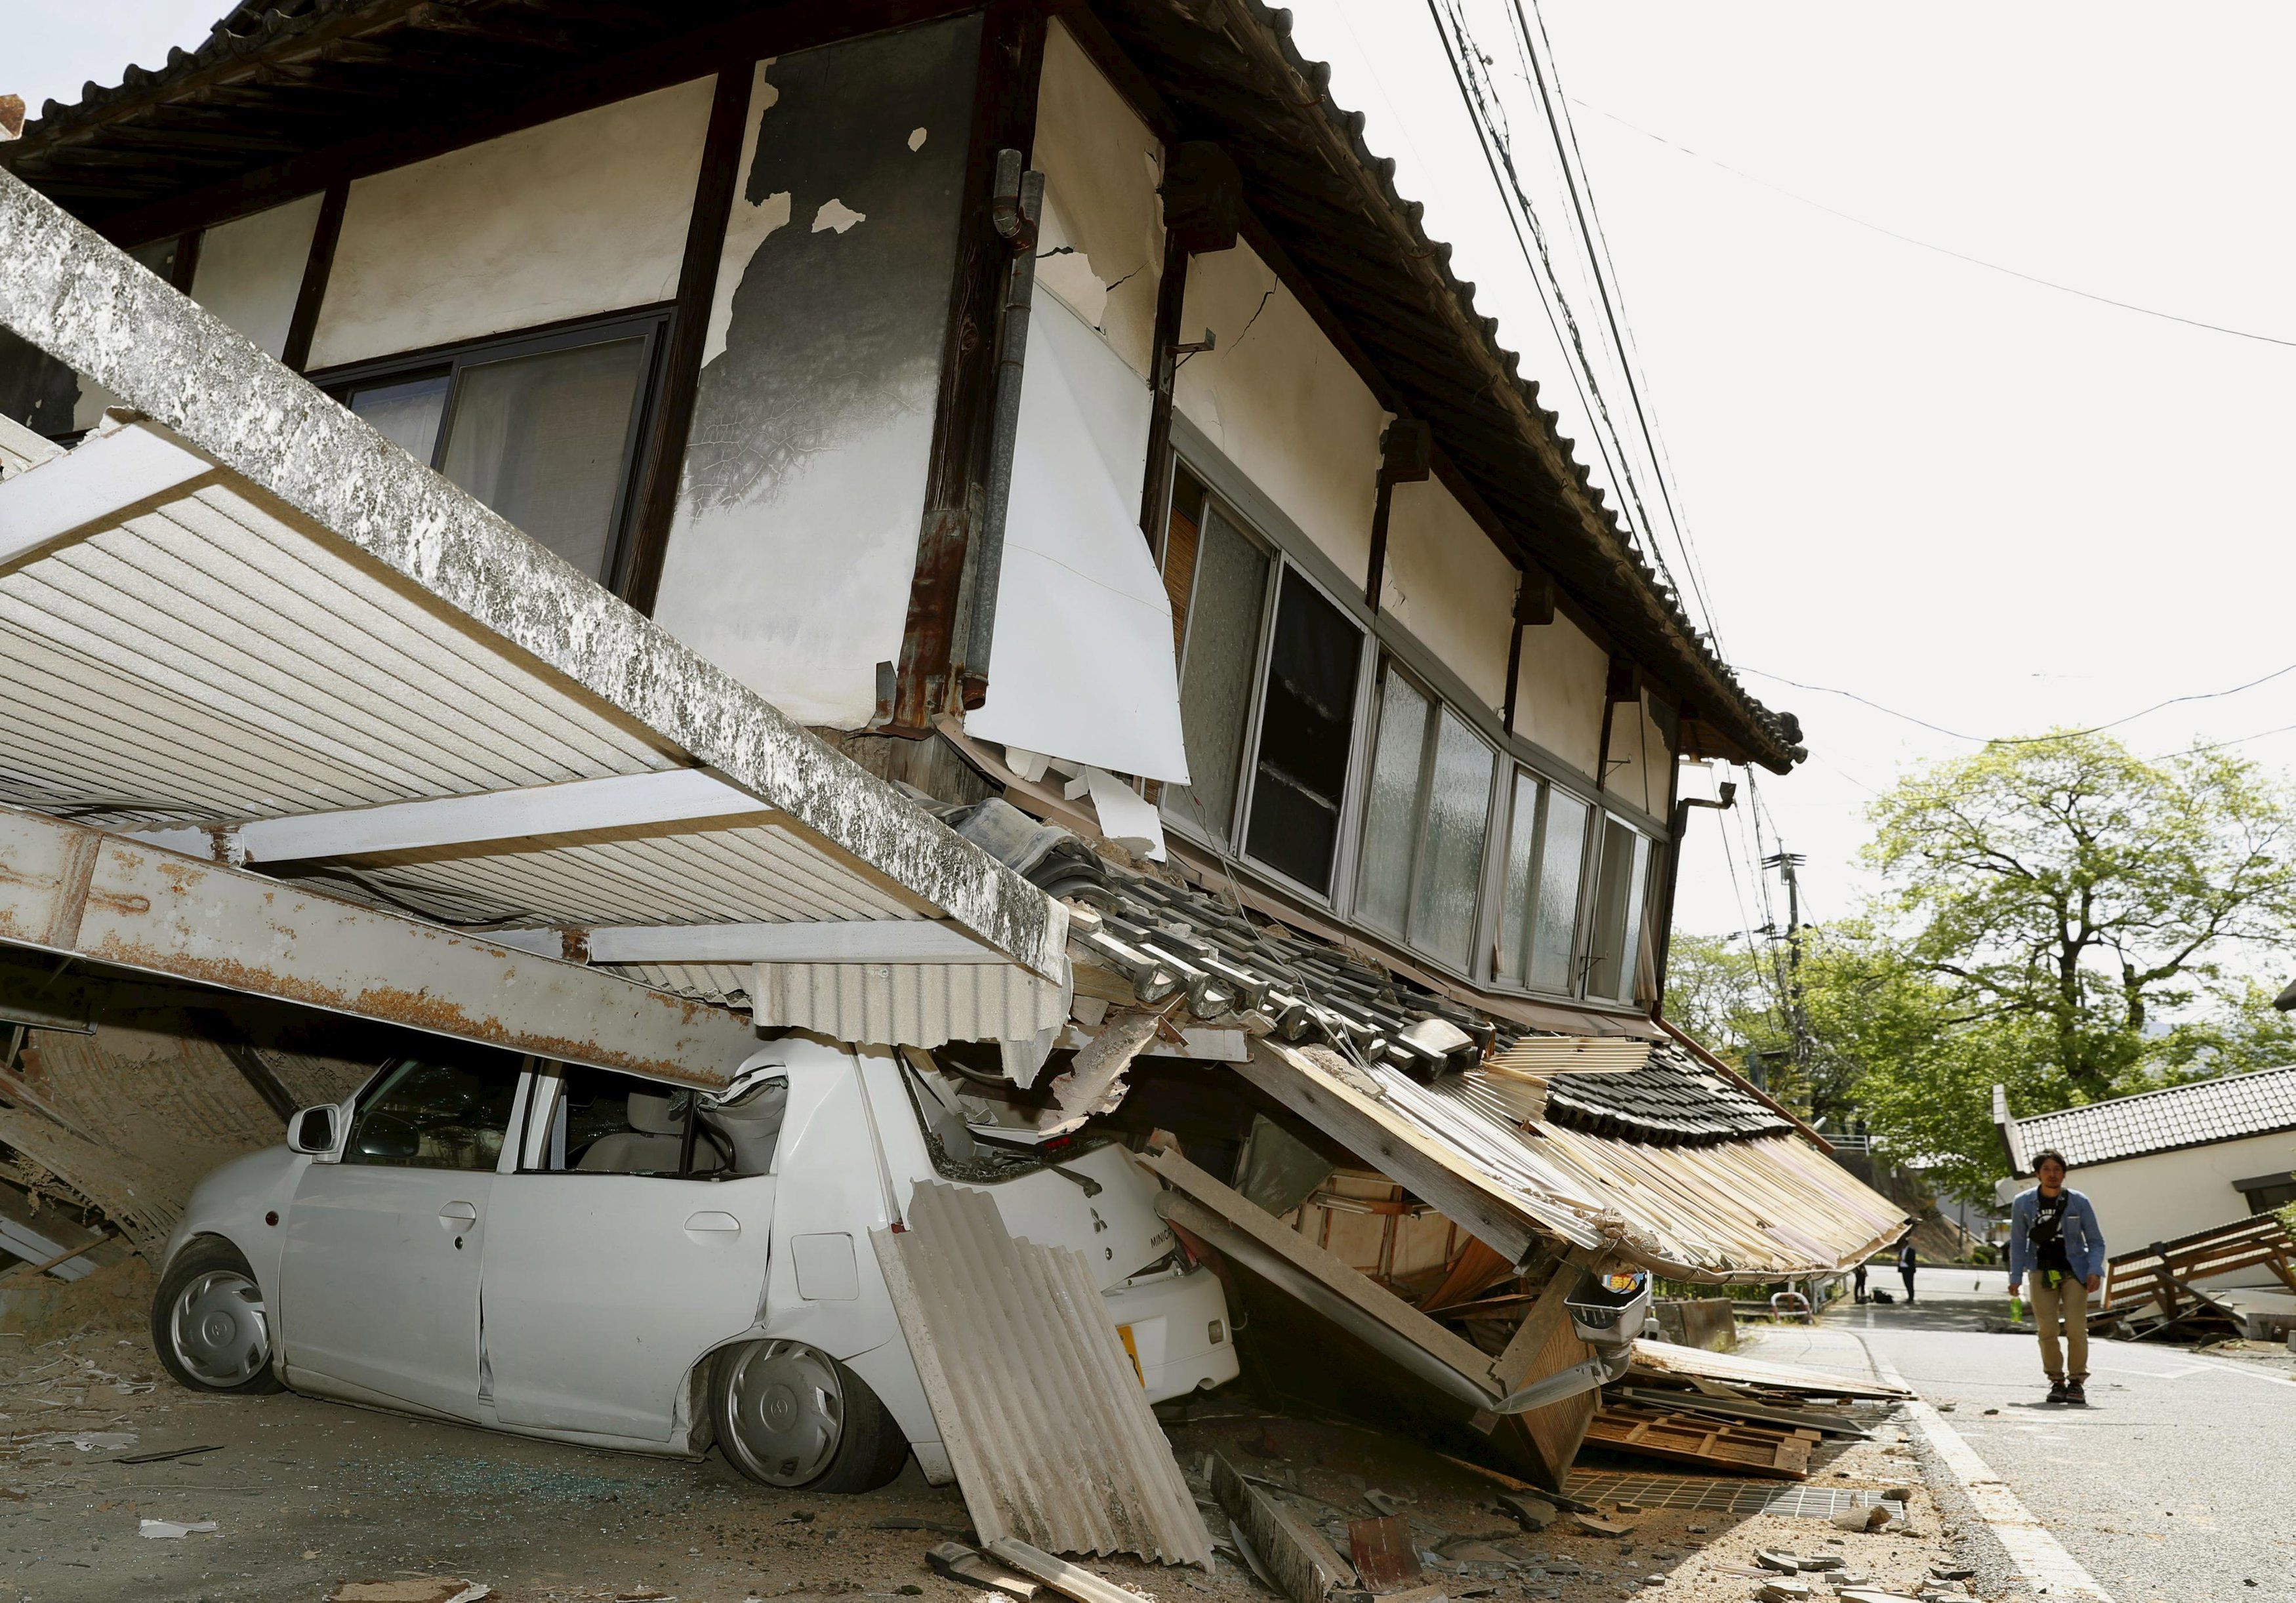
(1101, 249)
(1282, 404)
(1559, 692)
(574, 218)
(2164, 1195)
(1447, 583)
(250, 270)
(1639, 758)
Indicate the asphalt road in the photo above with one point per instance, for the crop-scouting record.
(2177, 1484)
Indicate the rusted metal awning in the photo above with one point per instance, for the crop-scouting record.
(239, 623)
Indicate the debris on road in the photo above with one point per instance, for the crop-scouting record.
(168, 1529)
(425, 1589)
(957, 1562)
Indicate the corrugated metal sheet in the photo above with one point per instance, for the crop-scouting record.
(1042, 1413)
(908, 1004)
(1756, 1209)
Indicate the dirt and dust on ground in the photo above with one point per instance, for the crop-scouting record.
(307, 1497)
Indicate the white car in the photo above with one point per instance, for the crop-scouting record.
(588, 1256)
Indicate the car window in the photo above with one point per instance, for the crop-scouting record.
(433, 1114)
(610, 1124)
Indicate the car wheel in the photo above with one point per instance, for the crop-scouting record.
(790, 1415)
(209, 1321)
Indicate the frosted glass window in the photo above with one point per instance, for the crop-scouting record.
(1230, 592)
(544, 440)
(1618, 913)
(1451, 843)
(1521, 874)
(1307, 724)
(1392, 808)
(406, 413)
(1562, 863)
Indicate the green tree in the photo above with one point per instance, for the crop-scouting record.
(2094, 905)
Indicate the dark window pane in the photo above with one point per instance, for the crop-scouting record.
(434, 1114)
(1618, 913)
(1230, 590)
(545, 441)
(405, 411)
(1307, 719)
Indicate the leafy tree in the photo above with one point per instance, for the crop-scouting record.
(2091, 903)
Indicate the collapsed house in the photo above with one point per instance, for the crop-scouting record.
(986, 532)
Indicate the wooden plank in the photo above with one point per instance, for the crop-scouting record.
(1676, 1438)
(1385, 1559)
(1068, 1579)
(1298, 1560)
(961, 1564)
(1730, 1408)
(1681, 1363)
(1199, 1190)
(1515, 1363)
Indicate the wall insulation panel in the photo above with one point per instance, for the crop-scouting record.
(1082, 664)
(796, 533)
(250, 270)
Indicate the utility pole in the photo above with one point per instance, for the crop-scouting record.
(1787, 863)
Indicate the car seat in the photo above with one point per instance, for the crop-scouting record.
(650, 1144)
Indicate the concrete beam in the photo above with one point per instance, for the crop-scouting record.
(98, 311)
(66, 889)
(617, 802)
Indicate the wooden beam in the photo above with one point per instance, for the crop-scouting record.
(304, 325)
(664, 458)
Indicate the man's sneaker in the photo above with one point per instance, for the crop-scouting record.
(2057, 1392)
(2075, 1396)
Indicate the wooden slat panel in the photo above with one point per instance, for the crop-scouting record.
(1683, 1439)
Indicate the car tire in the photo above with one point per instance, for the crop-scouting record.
(791, 1416)
(210, 1324)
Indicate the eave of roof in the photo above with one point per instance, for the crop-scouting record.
(1226, 71)
(2172, 1119)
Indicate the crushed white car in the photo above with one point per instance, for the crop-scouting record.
(563, 1252)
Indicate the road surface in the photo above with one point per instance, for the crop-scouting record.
(2177, 1484)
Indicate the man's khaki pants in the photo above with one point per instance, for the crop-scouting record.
(2068, 1298)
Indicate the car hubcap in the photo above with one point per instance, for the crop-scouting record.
(786, 1411)
(221, 1332)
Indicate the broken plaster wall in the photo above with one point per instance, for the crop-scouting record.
(1101, 246)
(1640, 761)
(571, 218)
(799, 505)
(1281, 403)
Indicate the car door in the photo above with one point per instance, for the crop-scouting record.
(618, 1252)
(378, 1281)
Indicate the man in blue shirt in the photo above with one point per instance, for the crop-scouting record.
(2056, 1250)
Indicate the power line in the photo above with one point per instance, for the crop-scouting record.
(1959, 256)
(1465, 59)
(1828, 689)
(1612, 294)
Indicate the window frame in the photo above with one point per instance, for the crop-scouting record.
(1340, 896)
(538, 1121)
(1251, 512)
(1576, 964)
(1439, 706)
(650, 323)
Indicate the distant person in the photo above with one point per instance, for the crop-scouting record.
(2053, 1238)
(1906, 1263)
(1859, 1282)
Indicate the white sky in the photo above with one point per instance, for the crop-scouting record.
(1993, 505)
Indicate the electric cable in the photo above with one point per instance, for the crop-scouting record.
(1959, 256)
(1828, 689)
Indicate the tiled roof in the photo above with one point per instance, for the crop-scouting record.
(1169, 938)
(2225, 1109)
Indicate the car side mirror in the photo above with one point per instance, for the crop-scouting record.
(312, 1130)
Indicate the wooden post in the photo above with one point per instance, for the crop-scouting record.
(316, 267)
(664, 456)
(1171, 297)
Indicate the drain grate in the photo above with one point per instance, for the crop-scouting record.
(1718, 1494)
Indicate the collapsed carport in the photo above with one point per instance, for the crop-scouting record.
(290, 717)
